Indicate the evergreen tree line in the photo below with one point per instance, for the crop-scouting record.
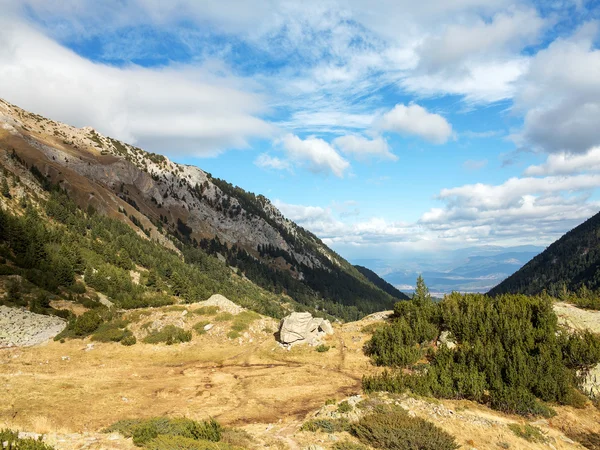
(572, 261)
(510, 352)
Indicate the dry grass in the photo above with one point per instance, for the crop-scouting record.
(246, 385)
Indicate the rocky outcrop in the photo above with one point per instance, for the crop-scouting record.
(21, 328)
(302, 327)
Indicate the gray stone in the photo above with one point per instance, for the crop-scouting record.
(303, 328)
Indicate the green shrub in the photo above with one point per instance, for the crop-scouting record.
(372, 327)
(528, 432)
(322, 348)
(128, 341)
(242, 321)
(232, 334)
(199, 327)
(82, 326)
(169, 335)
(347, 445)
(78, 288)
(144, 431)
(207, 310)
(168, 442)
(111, 332)
(11, 438)
(326, 425)
(510, 353)
(344, 407)
(223, 317)
(395, 429)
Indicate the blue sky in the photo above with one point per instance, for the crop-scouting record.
(385, 127)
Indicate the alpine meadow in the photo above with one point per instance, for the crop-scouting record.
(299, 225)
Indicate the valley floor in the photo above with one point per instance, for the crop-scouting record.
(72, 390)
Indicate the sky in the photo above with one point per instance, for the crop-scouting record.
(386, 127)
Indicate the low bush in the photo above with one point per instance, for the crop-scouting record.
(511, 353)
(167, 442)
(169, 335)
(207, 310)
(10, 440)
(242, 321)
(322, 348)
(395, 429)
(347, 445)
(82, 326)
(344, 407)
(588, 439)
(129, 341)
(528, 432)
(223, 317)
(199, 327)
(111, 332)
(153, 300)
(326, 425)
(232, 334)
(144, 431)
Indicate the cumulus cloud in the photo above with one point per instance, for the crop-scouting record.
(363, 148)
(178, 109)
(566, 163)
(416, 120)
(560, 96)
(266, 161)
(316, 154)
(510, 30)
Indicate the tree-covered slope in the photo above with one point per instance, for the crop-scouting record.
(569, 263)
(381, 283)
(184, 209)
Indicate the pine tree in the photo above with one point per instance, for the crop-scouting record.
(422, 294)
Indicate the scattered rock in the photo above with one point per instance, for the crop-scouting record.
(208, 326)
(446, 340)
(22, 328)
(303, 328)
(223, 303)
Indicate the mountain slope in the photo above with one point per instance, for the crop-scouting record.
(572, 261)
(182, 205)
(381, 283)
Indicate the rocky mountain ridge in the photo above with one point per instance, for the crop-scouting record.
(164, 200)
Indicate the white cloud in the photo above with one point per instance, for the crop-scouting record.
(560, 96)
(566, 164)
(363, 148)
(316, 154)
(510, 30)
(265, 161)
(177, 109)
(416, 120)
(512, 191)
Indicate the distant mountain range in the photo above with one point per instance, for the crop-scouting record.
(570, 262)
(472, 269)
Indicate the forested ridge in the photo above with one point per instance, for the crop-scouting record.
(568, 264)
(381, 283)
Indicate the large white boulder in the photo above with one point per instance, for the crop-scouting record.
(302, 327)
